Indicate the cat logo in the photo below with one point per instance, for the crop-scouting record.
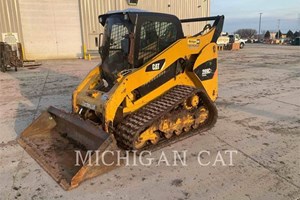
(156, 66)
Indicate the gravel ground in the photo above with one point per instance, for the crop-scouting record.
(259, 117)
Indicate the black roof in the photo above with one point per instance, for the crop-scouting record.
(132, 13)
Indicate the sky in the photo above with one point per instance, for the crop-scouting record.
(245, 14)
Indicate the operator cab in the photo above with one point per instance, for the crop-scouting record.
(132, 37)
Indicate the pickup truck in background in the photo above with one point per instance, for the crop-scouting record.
(226, 39)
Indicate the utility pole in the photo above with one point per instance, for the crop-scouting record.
(298, 21)
(259, 26)
(278, 29)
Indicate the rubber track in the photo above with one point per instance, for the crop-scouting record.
(127, 131)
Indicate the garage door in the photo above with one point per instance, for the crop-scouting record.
(51, 28)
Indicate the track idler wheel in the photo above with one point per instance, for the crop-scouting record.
(169, 134)
(146, 136)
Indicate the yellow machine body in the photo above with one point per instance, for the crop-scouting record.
(108, 103)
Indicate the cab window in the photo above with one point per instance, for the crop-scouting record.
(154, 38)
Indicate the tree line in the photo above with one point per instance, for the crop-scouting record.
(252, 33)
(289, 34)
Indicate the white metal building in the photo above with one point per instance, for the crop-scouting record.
(52, 29)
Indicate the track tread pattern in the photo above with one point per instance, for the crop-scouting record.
(127, 131)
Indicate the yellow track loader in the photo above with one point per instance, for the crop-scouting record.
(153, 87)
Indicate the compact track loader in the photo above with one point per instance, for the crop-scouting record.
(154, 87)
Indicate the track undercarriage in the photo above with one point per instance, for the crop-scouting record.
(181, 112)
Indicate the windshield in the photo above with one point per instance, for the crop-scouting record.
(115, 45)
